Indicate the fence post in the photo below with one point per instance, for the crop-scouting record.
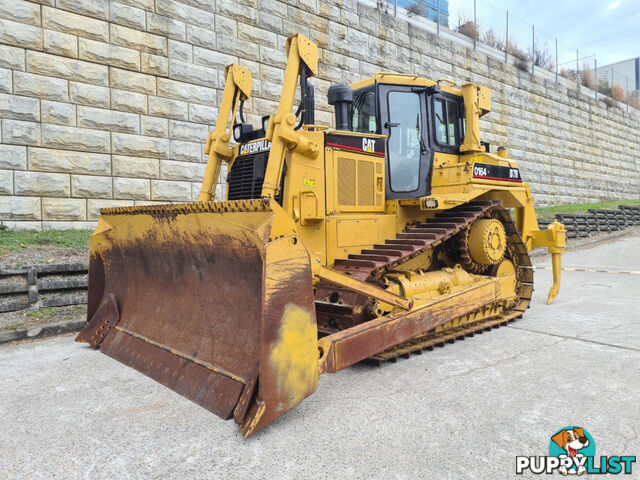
(577, 70)
(506, 40)
(475, 25)
(595, 76)
(626, 93)
(556, 60)
(437, 15)
(533, 49)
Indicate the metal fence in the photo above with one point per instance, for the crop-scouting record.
(528, 46)
(434, 10)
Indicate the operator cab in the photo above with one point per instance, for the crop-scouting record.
(418, 117)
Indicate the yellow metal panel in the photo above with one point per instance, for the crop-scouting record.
(350, 233)
(293, 357)
(395, 78)
(357, 184)
(356, 232)
(484, 100)
(304, 199)
(307, 50)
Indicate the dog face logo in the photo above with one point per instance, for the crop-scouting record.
(572, 451)
(571, 440)
(572, 445)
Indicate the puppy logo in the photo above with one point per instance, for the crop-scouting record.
(572, 451)
(571, 440)
(574, 444)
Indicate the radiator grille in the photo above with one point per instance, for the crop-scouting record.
(247, 175)
(346, 181)
(365, 183)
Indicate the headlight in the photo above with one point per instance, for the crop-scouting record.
(430, 203)
(265, 122)
(237, 132)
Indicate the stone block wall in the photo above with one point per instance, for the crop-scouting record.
(106, 102)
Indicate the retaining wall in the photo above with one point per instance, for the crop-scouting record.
(107, 103)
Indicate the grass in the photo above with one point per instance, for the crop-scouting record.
(25, 319)
(13, 326)
(45, 312)
(549, 213)
(12, 240)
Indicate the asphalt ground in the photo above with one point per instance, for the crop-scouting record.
(462, 411)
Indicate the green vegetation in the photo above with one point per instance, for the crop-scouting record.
(74, 311)
(60, 313)
(13, 326)
(12, 240)
(42, 316)
(549, 213)
(45, 312)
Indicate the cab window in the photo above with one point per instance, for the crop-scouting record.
(447, 122)
(364, 114)
(404, 140)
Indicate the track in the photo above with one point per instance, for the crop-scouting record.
(340, 308)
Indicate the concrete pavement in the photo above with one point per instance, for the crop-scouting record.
(463, 411)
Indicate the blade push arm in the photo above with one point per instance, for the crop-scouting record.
(238, 82)
(301, 53)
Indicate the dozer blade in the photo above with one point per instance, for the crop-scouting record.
(213, 300)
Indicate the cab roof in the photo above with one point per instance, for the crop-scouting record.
(407, 79)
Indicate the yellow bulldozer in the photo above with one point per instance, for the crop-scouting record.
(390, 234)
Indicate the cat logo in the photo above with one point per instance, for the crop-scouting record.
(368, 145)
(258, 146)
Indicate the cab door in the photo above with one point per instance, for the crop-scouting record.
(403, 114)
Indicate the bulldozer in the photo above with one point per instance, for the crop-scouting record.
(394, 232)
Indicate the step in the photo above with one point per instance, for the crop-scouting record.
(379, 251)
(455, 214)
(449, 219)
(437, 231)
(355, 263)
(448, 226)
(422, 231)
(365, 256)
(405, 248)
(422, 236)
(406, 241)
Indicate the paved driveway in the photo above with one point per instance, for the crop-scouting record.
(463, 411)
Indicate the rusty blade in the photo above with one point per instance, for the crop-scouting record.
(216, 392)
(189, 293)
(105, 318)
(209, 306)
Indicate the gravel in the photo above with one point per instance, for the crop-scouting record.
(29, 318)
(43, 255)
